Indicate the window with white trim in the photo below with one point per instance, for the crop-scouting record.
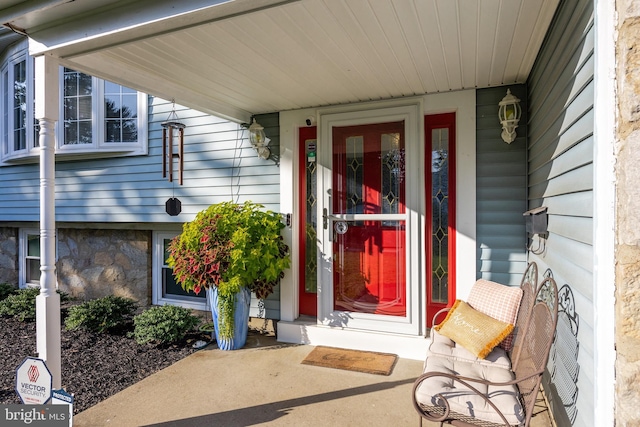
(77, 104)
(97, 118)
(31, 270)
(16, 84)
(165, 288)
(29, 257)
(122, 112)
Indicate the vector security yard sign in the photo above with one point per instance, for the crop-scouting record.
(33, 382)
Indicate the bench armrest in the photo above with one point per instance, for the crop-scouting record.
(439, 313)
(441, 411)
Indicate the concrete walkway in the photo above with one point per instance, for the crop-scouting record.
(263, 384)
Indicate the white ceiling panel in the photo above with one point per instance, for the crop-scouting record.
(237, 58)
(469, 25)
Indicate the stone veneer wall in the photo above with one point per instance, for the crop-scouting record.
(9, 255)
(95, 263)
(628, 215)
(91, 263)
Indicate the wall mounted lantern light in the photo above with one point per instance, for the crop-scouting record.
(259, 140)
(509, 114)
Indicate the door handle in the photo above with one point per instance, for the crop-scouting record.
(325, 223)
(325, 219)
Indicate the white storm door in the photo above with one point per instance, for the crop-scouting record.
(369, 248)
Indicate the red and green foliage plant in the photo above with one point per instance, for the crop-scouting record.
(230, 246)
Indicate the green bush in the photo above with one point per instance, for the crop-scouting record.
(21, 304)
(102, 314)
(163, 324)
(6, 290)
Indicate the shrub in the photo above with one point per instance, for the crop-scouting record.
(163, 324)
(102, 314)
(6, 290)
(21, 304)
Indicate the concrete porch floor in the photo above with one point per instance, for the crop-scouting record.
(265, 384)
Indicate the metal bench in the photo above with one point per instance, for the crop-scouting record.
(501, 389)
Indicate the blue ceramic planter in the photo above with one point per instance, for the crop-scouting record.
(241, 318)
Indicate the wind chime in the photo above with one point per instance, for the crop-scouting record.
(172, 130)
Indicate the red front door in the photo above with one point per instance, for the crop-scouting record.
(368, 221)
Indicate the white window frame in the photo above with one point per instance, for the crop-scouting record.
(99, 148)
(98, 125)
(7, 152)
(23, 250)
(157, 294)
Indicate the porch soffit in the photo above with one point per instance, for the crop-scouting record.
(241, 57)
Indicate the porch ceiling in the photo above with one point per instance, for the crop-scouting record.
(241, 57)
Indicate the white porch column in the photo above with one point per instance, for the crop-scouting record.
(48, 302)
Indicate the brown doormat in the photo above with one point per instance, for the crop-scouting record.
(352, 360)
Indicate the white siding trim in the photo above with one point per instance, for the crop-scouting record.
(604, 210)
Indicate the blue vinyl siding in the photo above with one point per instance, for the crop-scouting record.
(500, 190)
(561, 98)
(219, 165)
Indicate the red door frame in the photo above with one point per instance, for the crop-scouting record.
(431, 122)
(308, 301)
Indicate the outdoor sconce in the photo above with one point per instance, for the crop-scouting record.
(509, 114)
(172, 129)
(259, 140)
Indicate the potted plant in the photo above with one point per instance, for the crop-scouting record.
(230, 250)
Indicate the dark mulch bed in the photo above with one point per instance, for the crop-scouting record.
(94, 366)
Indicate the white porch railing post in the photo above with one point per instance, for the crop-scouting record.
(48, 301)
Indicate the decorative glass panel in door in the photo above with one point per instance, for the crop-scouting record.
(368, 221)
(308, 168)
(440, 227)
